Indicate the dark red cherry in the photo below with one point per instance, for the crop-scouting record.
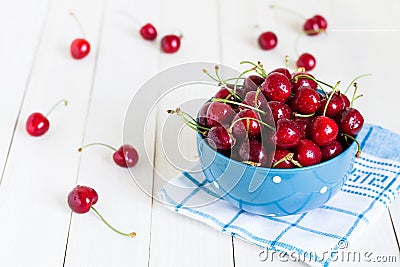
(253, 151)
(81, 199)
(203, 114)
(283, 71)
(126, 156)
(308, 153)
(80, 48)
(220, 139)
(37, 124)
(276, 87)
(301, 79)
(219, 114)
(279, 155)
(287, 134)
(332, 150)
(306, 61)
(250, 99)
(148, 31)
(170, 43)
(280, 110)
(267, 40)
(252, 82)
(306, 100)
(321, 22)
(304, 125)
(245, 124)
(224, 93)
(311, 26)
(346, 101)
(335, 105)
(323, 130)
(350, 121)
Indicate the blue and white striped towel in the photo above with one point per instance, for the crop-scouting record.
(372, 186)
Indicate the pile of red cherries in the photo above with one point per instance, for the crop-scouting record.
(278, 119)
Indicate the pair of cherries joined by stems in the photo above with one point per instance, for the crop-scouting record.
(312, 26)
(80, 47)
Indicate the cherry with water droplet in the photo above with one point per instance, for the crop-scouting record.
(308, 153)
(276, 87)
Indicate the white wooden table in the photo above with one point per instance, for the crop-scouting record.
(36, 226)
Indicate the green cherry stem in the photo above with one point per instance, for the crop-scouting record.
(288, 157)
(132, 234)
(191, 123)
(315, 80)
(256, 67)
(330, 97)
(96, 144)
(222, 82)
(354, 80)
(253, 119)
(358, 154)
(303, 115)
(354, 94)
(237, 103)
(56, 104)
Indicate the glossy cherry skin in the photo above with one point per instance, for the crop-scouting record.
(308, 153)
(321, 22)
(306, 101)
(283, 71)
(80, 48)
(170, 43)
(81, 198)
(303, 80)
(336, 104)
(253, 151)
(148, 32)
(252, 82)
(306, 61)
(350, 121)
(219, 114)
(224, 93)
(220, 139)
(311, 26)
(303, 124)
(346, 100)
(202, 117)
(267, 40)
(280, 154)
(332, 150)
(280, 110)
(245, 124)
(276, 87)
(37, 124)
(323, 130)
(287, 134)
(250, 99)
(126, 156)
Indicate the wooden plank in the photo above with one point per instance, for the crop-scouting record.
(41, 171)
(175, 239)
(22, 29)
(125, 62)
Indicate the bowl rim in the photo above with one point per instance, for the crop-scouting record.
(290, 170)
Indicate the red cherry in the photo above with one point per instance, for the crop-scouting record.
(80, 48)
(303, 124)
(287, 134)
(220, 139)
(252, 82)
(303, 79)
(346, 101)
(37, 124)
(225, 94)
(148, 31)
(81, 199)
(306, 61)
(321, 22)
(306, 100)
(250, 99)
(267, 40)
(219, 114)
(203, 114)
(350, 121)
(283, 71)
(308, 153)
(279, 155)
(276, 87)
(323, 130)
(245, 124)
(170, 43)
(126, 156)
(311, 26)
(336, 104)
(253, 151)
(332, 150)
(280, 110)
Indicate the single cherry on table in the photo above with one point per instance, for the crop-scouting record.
(38, 124)
(80, 47)
(171, 43)
(148, 32)
(81, 200)
(267, 40)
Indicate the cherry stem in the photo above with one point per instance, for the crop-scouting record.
(191, 123)
(252, 163)
(258, 67)
(303, 115)
(132, 234)
(96, 144)
(315, 80)
(330, 97)
(253, 119)
(354, 94)
(288, 157)
(56, 104)
(287, 62)
(358, 154)
(354, 80)
(240, 77)
(237, 103)
(135, 20)
(289, 11)
(79, 24)
(222, 82)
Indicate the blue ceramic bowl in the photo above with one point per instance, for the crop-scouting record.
(275, 192)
